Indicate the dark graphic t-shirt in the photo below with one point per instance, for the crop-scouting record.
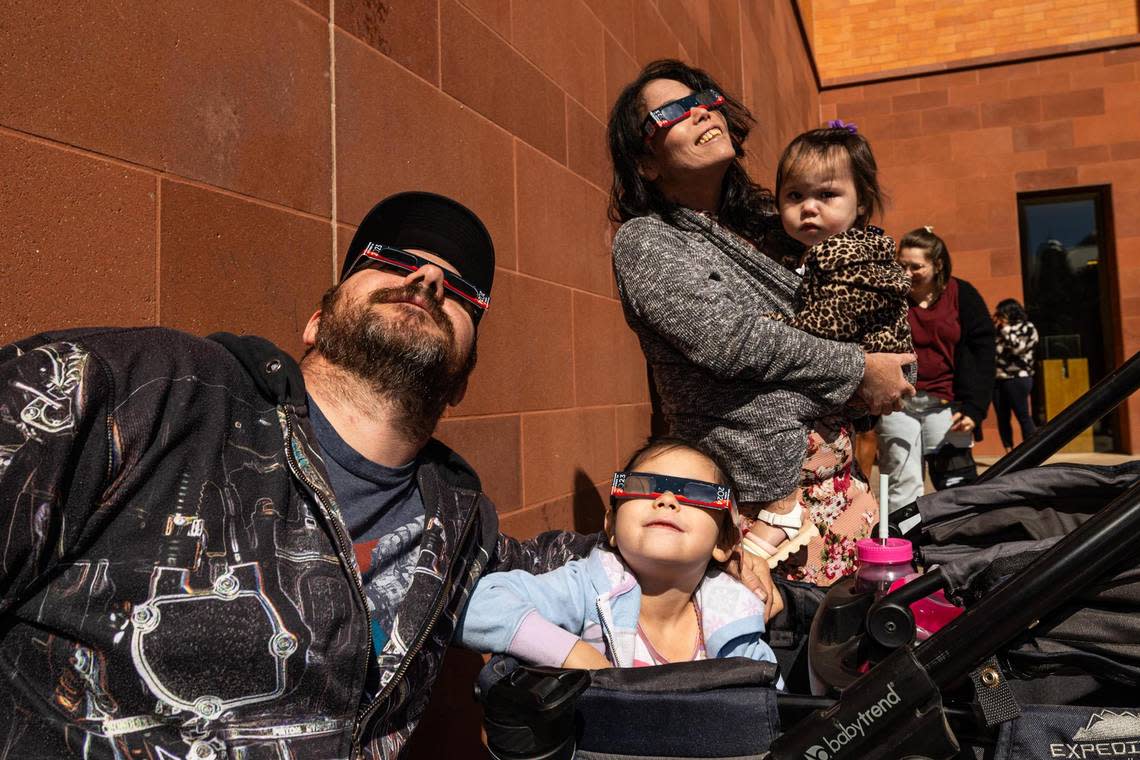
(384, 513)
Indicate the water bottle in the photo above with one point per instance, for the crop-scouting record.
(882, 561)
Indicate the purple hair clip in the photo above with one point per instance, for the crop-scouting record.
(840, 124)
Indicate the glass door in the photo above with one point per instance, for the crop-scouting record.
(1068, 282)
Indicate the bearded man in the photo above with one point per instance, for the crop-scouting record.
(210, 551)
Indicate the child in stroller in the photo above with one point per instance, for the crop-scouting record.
(655, 595)
(1050, 626)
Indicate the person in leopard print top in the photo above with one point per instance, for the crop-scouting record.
(1016, 339)
(853, 289)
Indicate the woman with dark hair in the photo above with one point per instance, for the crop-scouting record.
(1016, 338)
(954, 340)
(700, 259)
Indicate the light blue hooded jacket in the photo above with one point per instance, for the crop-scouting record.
(539, 618)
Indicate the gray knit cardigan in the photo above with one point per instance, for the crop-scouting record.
(744, 387)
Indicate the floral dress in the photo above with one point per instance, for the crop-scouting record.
(839, 502)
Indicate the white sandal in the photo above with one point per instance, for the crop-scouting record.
(798, 529)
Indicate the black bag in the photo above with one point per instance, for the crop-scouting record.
(951, 466)
(722, 708)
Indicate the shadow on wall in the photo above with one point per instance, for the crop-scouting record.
(588, 505)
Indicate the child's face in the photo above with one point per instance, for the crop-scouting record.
(655, 535)
(819, 201)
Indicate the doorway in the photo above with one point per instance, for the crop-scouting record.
(1068, 277)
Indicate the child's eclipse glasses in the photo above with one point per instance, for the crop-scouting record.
(406, 261)
(646, 485)
(674, 111)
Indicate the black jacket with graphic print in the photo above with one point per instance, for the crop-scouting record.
(175, 576)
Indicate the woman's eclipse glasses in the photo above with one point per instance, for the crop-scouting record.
(674, 111)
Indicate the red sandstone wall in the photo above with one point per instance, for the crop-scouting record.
(955, 149)
(201, 166)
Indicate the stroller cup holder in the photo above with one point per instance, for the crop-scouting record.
(852, 631)
(528, 712)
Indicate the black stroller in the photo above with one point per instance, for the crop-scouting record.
(1044, 663)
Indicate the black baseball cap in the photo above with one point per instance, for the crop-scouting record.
(433, 223)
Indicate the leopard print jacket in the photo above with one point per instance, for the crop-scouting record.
(853, 290)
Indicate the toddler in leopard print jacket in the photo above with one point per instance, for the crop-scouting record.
(853, 289)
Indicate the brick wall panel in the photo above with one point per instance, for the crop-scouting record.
(1125, 150)
(587, 151)
(1053, 134)
(1121, 96)
(1106, 75)
(955, 80)
(494, 13)
(79, 240)
(429, 143)
(632, 431)
(860, 108)
(526, 523)
(407, 31)
(724, 19)
(484, 72)
(217, 97)
(1068, 104)
(603, 344)
(1122, 56)
(892, 126)
(1048, 85)
(969, 145)
(841, 95)
(210, 283)
(1091, 154)
(492, 446)
(920, 100)
(563, 230)
(979, 93)
(1011, 112)
(950, 119)
(894, 87)
(1094, 130)
(621, 69)
(652, 36)
(618, 18)
(1046, 179)
(566, 41)
(564, 450)
(525, 349)
(678, 17)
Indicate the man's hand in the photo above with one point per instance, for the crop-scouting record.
(753, 572)
(585, 657)
(884, 386)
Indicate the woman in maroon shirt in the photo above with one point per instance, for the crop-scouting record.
(954, 342)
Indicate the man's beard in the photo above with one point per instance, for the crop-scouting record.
(417, 369)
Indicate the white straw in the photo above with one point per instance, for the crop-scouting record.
(883, 510)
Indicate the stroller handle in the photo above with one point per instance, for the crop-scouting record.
(1095, 403)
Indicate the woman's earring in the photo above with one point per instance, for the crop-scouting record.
(613, 541)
